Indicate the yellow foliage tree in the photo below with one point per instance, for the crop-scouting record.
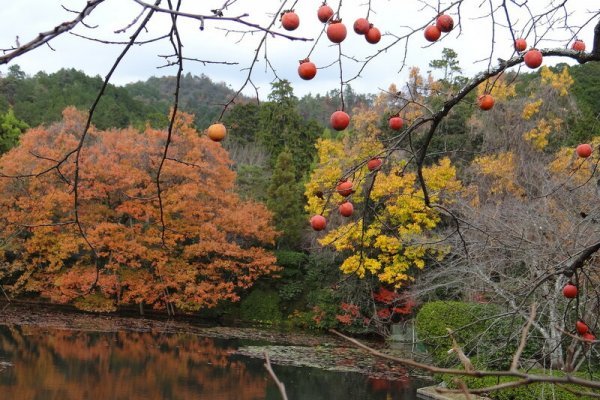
(497, 87)
(401, 236)
(542, 111)
(560, 81)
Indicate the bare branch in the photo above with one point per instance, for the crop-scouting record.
(524, 334)
(45, 37)
(279, 384)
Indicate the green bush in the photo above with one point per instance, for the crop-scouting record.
(291, 285)
(538, 391)
(489, 341)
(261, 306)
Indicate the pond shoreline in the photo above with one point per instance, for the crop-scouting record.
(297, 348)
(60, 317)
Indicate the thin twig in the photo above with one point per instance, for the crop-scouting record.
(279, 384)
(524, 333)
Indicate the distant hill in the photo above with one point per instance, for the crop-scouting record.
(199, 95)
(40, 99)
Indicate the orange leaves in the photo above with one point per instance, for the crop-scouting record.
(212, 238)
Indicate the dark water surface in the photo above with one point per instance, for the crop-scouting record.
(53, 364)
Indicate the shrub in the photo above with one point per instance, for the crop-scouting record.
(291, 284)
(489, 341)
(261, 306)
(538, 391)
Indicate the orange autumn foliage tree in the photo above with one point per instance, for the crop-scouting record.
(213, 243)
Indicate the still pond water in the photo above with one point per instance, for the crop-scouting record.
(52, 364)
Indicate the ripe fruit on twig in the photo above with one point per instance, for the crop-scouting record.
(396, 123)
(584, 150)
(318, 222)
(344, 188)
(578, 45)
(570, 291)
(373, 36)
(374, 163)
(485, 101)
(444, 23)
(339, 120)
(324, 13)
(336, 31)
(533, 58)
(290, 20)
(216, 132)
(520, 44)
(588, 337)
(581, 327)
(361, 26)
(432, 33)
(346, 209)
(307, 69)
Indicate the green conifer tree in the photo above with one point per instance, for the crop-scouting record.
(285, 199)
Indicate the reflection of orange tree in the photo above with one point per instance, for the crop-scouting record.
(122, 365)
(213, 241)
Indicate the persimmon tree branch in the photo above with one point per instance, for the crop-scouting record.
(46, 37)
(250, 68)
(525, 378)
(237, 19)
(175, 40)
(438, 116)
(88, 123)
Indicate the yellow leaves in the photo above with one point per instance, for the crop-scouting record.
(570, 166)
(538, 135)
(561, 81)
(391, 267)
(359, 265)
(530, 109)
(549, 122)
(365, 124)
(498, 88)
(335, 156)
(501, 170)
(393, 242)
(51, 247)
(441, 176)
(388, 244)
(395, 179)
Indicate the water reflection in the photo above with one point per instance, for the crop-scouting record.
(73, 365)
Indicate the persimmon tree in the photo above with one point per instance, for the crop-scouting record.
(213, 245)
(527, 222)
(393, 233)
(550, 27)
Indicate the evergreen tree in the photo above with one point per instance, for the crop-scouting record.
(449, 65)
(282, 126)
(242, 123)
(285, 200)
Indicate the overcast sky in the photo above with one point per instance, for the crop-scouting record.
(26, 18)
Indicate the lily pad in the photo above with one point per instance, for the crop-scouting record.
(341, 359)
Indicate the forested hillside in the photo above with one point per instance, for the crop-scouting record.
(41, 98)
(199, 96)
